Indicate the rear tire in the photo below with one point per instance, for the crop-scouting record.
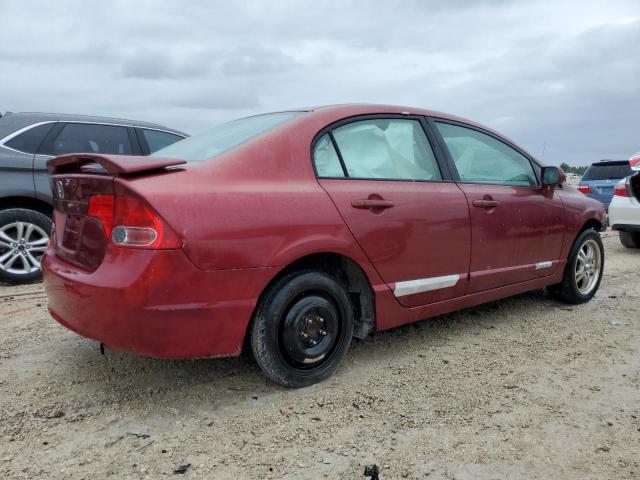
(302, 329)
(583, 271)
(24, 235)
(630, 239)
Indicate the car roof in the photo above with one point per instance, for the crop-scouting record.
(352, 109)
(606, 163)
(11, 122)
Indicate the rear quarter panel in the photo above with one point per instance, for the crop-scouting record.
(259, 205)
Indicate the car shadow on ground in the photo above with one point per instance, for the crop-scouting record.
(117, 376)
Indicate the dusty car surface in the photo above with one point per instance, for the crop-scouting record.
(295, 231)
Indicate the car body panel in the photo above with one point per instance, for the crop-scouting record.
(624, 212)
(251, 212)
(414, 241)
(519, 240)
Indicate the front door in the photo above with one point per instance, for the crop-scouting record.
(517, 226)
(411, 222)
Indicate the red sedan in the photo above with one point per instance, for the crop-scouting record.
(296, 231)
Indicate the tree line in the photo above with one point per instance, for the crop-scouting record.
(569, 169)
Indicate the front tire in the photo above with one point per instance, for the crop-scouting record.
(24, 235)
(630, 239)
(302, 329)
(583, 271)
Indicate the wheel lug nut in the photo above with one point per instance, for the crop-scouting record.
(313, 343)
(309, 321)
(323, 332)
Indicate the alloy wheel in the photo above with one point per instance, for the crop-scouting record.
(22, 245)
(588, 267)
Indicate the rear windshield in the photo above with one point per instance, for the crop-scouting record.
(607, 172)
(217, 140)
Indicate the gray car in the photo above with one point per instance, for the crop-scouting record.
(27, 142)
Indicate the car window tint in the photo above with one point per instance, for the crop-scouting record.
(607, 172)
(326, 159)
(480, 158)
(90, 138)
(394, 149)
(30, 140)
(157, 140)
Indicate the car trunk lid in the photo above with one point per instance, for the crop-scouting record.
(79, 237)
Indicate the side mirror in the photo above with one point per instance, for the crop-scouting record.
(552, 176)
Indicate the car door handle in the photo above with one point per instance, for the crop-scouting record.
(372, 204)
(486, 203)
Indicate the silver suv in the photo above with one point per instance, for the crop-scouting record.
(27, 141)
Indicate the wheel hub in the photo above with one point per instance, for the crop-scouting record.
(309, 330)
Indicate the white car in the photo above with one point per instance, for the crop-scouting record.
(624, 210)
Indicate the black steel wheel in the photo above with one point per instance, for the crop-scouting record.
(302, 328)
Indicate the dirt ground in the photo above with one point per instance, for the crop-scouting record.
(517, 389)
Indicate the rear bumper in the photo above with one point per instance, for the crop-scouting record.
(155, 303)
(624, 213)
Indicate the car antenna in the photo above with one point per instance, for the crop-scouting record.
(544, 148)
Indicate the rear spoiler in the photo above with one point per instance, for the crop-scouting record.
(116, 165)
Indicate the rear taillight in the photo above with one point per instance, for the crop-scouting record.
(130, 222)
(101, 207)
(634, 162)
(584, 188)
(622, 189)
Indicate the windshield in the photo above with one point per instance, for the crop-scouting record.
(608, 172)
(217, 140)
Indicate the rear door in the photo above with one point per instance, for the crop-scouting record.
(400, 204)
(517, 226)
(76, 137)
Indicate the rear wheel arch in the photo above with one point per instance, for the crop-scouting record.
(346, 271)
(27, 203)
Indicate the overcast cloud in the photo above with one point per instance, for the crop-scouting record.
(561, 73)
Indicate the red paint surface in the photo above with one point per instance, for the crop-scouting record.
(250, 212)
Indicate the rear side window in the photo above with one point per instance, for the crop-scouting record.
(215, 141)
(391, 149)
(156, 139)
(480, 158)
(326, 158)
(30, 140)
(608, 172)
(90, 138)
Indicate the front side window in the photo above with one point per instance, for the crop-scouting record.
(391, 149)
(29, 141)
(480, 158)
(156, 139)
(91, 138)
(215, 141)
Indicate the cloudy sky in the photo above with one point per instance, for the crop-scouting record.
(559, 76)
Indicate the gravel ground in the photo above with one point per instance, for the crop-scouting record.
(521, 388)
